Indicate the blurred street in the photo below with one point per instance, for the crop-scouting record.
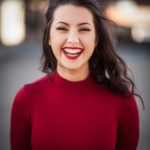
(20, 65)
(21, 21)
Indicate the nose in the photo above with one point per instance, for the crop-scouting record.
(73, 38)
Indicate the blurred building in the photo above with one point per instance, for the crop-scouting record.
(12, 28)
(132, 19)
(22, 20)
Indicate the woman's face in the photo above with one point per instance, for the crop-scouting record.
(72, 37)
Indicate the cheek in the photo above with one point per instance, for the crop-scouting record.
(57, 39)
(56, 43)
(91, 43)
(91, 38)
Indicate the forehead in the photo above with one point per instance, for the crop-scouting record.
(72, 14)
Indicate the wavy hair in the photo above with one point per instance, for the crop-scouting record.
(106, 66)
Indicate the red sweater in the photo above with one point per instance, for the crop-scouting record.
(55, 114)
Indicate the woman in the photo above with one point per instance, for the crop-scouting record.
(86, 100)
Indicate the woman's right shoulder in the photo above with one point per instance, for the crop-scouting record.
(34, 87)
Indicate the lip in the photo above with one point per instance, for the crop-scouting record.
(72, 57)
(69, 47)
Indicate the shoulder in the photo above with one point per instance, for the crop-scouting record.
(37, 84)
(31, 89)
(129, 110)
(40, 84)
(123, 100)
(122, 104)
(128, 102)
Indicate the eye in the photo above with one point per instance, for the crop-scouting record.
(85, 29)
(61, 29)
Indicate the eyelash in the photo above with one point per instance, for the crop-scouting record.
(85, 29)
(60, 28)
(64, 29)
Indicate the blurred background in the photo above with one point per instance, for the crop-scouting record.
(21, 23)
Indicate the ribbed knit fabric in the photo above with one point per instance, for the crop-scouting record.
(56, 114)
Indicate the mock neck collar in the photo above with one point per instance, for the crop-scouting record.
(72, 85)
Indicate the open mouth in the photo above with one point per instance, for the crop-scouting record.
(72, 53)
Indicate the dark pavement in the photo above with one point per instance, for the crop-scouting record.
(20, 65)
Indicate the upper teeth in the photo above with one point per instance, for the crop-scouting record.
(72, 51)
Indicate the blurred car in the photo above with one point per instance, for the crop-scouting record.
(133, 19)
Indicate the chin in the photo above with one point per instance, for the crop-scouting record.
(71, 68)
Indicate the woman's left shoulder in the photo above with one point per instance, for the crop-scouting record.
(128, 106)
(128, 101)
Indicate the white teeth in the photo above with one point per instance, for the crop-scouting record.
(72, 51)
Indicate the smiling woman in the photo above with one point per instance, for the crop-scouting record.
(72, 40)
(86, 100)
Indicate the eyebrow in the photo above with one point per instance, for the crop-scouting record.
(80, 24)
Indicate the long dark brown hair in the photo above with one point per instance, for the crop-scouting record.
(106, 66)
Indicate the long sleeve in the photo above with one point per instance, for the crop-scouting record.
(128, 128)
(53, 113)
(20, 130)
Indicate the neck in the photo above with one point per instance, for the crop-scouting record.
(73, 75)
